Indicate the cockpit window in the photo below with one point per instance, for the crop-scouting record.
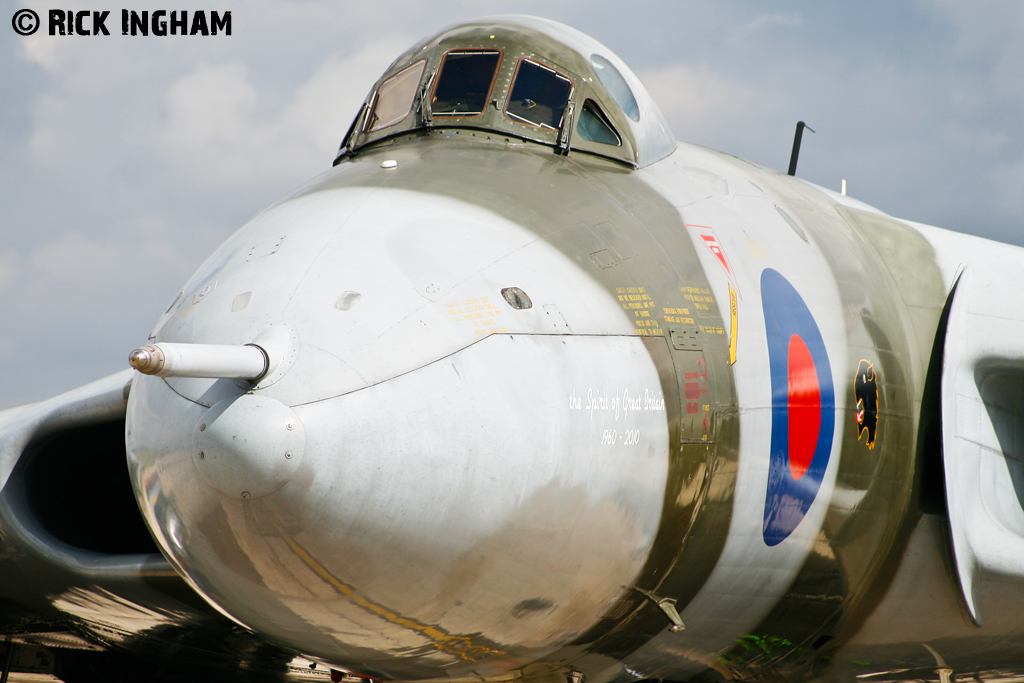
(395, 98)
(464, 82)
(539, 96)
(617, 86)
(594, 126)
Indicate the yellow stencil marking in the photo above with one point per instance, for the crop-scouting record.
(481, 313)
(734, 320)
(637, 300)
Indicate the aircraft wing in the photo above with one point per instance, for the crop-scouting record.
(80, 575)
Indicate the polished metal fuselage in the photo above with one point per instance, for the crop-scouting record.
(485, 488)
(448, 482)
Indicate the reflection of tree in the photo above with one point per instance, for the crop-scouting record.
(208, 650)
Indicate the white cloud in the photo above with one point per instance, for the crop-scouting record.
(746, 31)
(49, 137)
(1008, 183)
(223, 128)
(71, 261)
(992, 30)
(10, 271)
(74, 278)
(698, 98)
(210, 108)
(47, 53)
(325, 105)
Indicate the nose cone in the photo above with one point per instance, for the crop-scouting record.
(473, 514)
(472, 480)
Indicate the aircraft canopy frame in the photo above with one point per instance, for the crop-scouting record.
(524, 77)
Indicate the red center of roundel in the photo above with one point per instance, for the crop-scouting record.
(804, 407)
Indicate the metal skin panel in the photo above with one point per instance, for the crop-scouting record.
(583, 488)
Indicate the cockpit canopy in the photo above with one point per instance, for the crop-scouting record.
(522, 77)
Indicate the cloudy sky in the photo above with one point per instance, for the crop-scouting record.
(124, 161)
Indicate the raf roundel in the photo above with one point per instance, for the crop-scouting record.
(803, 407)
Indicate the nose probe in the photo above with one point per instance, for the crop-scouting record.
(248, 362)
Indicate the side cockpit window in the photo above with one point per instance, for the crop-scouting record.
(617, 86)
(464, 82)
(395, 98)
(539, 96)
(594, 126)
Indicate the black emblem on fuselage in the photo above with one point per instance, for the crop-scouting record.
(865, 388)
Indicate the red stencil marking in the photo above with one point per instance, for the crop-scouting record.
(716, 249)
(804, 407)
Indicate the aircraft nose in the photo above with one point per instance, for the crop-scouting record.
(432, 477)
(476, 512)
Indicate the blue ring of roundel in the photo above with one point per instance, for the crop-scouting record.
(785, 315)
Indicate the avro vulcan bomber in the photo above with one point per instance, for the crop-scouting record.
(522, 388)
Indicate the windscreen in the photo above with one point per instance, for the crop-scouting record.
(464, 82)
(538, 96)
(395, 98)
